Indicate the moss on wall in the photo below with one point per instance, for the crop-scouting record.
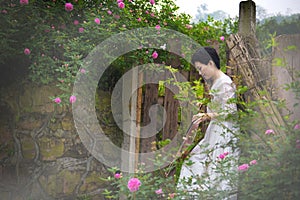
(43, 148)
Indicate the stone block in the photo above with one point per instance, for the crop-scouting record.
(51, 148)
(60, 184)
(67, 123)
(28, 149)
(29, 123)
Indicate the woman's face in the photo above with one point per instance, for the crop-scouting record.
(206, 71)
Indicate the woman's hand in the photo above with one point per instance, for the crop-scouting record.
(188, 139)
(198, 118)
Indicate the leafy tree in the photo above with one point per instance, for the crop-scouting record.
(278, 25)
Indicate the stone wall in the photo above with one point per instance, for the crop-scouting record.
(41, 155)
(285, 70)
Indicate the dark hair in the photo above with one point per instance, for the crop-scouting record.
(205, 54)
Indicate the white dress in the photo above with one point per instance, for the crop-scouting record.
(218, 139)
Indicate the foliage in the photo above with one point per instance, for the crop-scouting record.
(150, 183)
(58, 40)
(277, 25)
(276, 176)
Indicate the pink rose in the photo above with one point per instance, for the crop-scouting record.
(76, 22)
(139, 19)
(72, 99)
(26, 51)
(222, 156)
(81, 30)
(297, 126)
(154, 55)
(222, 38)
(97, 20)
(82, 71)
(253, 162)
(24, 2)
(269, 131)
(121, 5)
(243, 167)
(159, 191)
(118, 175)
(157, 27)
(68, 7)
(134, 184)
(57, 100)
(152, 2)
(109, 12)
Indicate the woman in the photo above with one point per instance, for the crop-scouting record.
(199, 171)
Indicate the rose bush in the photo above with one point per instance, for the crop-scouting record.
(57, 35)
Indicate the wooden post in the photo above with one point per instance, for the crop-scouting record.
(151, 98)
(171, 104)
